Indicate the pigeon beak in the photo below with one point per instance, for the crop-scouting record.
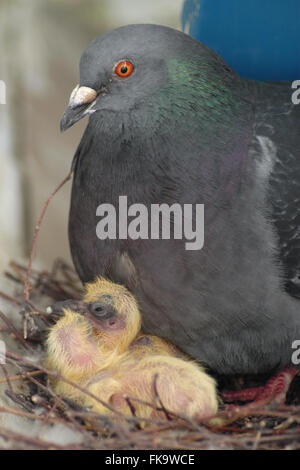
(81, 103)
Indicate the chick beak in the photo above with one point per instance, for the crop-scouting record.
(81, 102)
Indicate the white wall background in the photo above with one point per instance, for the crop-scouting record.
(41, 42)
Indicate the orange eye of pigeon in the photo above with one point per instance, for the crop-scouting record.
(124, 69)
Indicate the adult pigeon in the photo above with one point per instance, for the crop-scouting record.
(170, 122)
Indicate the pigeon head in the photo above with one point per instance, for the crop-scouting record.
(141, 66)
(113, 312)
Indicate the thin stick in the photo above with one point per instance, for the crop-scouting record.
(31, 416)
(52, 410)
(132, 410)
(47, 390)
(158, 399)
(14, 331)
(36, 232)
(12, 355)
(7, 379)
(34, 441)
(22, 376)
(9, 299)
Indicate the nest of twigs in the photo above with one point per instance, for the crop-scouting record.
(269, 426)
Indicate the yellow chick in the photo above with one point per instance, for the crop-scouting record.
(103, 350)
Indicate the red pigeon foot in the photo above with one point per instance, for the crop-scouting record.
(274, 390)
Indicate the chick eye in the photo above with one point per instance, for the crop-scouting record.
(98, 308)
(124, 69)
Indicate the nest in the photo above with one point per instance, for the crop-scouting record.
(268, 426)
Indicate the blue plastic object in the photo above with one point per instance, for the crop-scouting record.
(260, 39)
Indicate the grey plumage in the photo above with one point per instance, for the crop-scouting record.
(185, 128)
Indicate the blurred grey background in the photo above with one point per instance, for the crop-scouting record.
(41, 42)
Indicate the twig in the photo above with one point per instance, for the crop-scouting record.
(47, 390)
(24, 375)
(20, 400)
(60, 377)
(52, 409)
(33, 441)
(36, 232)
(130, 405)
(158, 399)
(31, 416)
(10, 299)
(7, 379)
(15, 331)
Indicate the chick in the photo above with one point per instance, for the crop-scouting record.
(103, 349)
(81, 344)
